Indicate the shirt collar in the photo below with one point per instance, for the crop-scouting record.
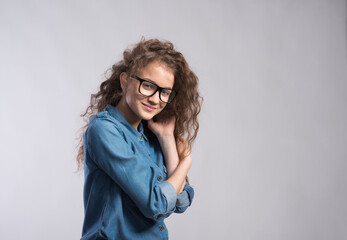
(114, 112)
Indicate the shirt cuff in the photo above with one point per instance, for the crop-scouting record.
(182, 199)
(170, 194)
(190, 192)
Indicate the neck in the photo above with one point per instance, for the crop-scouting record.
(129, 115)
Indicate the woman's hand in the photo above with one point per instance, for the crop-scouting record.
(162, 129)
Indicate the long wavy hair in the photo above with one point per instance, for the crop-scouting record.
(185, 106)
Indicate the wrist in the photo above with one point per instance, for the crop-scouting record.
(166, 138)
(188, 161)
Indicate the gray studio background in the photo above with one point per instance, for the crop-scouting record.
(270, 160)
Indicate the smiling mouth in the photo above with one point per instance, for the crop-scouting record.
(150, 108)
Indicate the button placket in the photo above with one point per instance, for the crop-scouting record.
(145, 151)
(144, 145)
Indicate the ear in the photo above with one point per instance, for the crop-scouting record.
(123, 81)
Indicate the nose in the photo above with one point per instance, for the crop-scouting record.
(154, 99)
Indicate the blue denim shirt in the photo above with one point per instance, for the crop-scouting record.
(126, 195)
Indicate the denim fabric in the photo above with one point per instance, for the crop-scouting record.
(126, 195)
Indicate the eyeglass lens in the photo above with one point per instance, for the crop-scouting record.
(148, 89)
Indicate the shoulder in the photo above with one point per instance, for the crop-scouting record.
(103, 122)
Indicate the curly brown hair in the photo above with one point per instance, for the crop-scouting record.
(185, 106)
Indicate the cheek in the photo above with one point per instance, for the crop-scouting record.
(131, 96)
(128, 98)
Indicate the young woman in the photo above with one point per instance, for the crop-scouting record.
(135, 147)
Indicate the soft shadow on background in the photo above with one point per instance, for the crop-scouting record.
(270, 160)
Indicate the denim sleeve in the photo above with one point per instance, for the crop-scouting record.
(184, 199)
(113, 155)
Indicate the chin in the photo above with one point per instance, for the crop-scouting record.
(147, 115)
(144, 115)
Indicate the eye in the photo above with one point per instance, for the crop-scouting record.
(166, 92)
(148, 86)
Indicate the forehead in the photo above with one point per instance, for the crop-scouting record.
(158, 73)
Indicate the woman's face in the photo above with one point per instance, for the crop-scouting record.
(147, 107)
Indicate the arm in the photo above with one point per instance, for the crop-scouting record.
(177, 170)
(110, 151)
(186, 192)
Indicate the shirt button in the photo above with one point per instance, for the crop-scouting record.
(161, 227)
(159, 178)
(159, 216)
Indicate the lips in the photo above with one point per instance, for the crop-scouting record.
(149, 108)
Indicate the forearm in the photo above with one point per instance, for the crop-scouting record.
(177, 170)
(168, 146)
(183, 184)
(178, 177)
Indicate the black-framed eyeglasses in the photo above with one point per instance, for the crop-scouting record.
(149, 88)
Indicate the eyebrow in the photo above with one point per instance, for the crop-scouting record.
(151, 81)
